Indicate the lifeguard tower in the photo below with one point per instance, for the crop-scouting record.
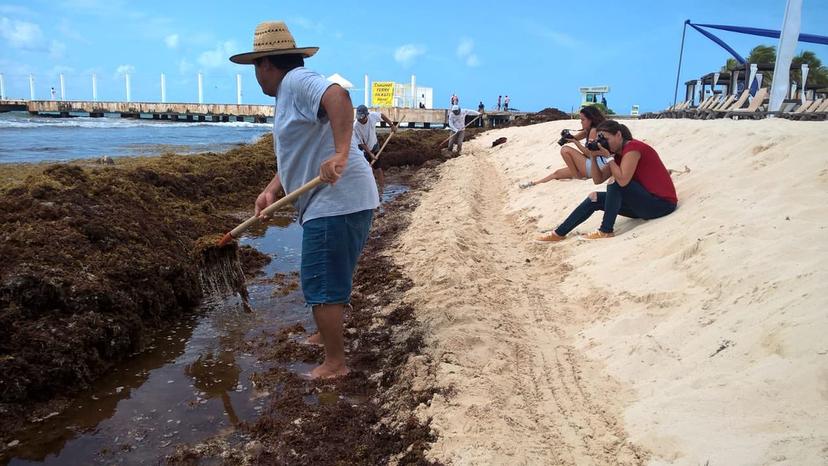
(593, 95)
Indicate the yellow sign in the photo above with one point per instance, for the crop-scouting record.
(382, 93)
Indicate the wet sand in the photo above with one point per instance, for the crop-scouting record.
(184, 198)
(364, 418)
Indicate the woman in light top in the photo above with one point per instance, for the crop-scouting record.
(577, 159)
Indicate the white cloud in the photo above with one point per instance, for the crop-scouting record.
(465, 51)
(21, 34)
(218, 56)
(465, 47)
(56, 50)
(70, 31)
(171, 41)
(406, 54)
(123, 69)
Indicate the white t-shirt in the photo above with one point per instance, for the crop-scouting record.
(367, 133)
(303, 141)
(458, 122)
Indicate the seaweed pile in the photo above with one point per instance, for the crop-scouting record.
(95, 256)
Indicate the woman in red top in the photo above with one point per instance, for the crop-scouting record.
(642, 188)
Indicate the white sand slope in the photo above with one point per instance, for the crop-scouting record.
(697, 337)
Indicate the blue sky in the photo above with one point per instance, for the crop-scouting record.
(537, 52)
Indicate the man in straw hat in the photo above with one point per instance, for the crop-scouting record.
(312, 136)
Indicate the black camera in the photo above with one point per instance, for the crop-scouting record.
(565, 137)
(593, 145)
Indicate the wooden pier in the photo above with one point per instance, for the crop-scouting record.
(410, 117)
(153, 110)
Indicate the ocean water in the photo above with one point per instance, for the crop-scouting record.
(27, 138)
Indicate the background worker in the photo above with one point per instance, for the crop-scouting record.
(457, 123)
(365, 135)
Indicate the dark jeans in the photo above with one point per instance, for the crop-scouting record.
(374, 151)
(631, 201)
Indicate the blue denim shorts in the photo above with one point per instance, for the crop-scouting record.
(330, 249)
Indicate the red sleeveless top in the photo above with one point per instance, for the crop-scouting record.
(651, 172)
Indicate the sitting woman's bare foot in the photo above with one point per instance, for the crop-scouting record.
(315, 339)
(324, 371)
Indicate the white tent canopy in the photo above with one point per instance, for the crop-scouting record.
(338, 79)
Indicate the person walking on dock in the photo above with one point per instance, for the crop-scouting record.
(312, 135)
(498, 102)
(506, 104)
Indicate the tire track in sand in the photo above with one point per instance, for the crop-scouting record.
(523, 393)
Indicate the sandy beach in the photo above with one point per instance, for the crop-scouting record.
(694, 338)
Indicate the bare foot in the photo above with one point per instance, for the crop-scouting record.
(315, 339)
(324, 371)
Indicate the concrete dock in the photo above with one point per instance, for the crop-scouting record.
(410, 117)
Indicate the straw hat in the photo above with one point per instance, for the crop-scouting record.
(272, 38)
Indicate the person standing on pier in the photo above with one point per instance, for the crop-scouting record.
(53, 93)
(312, 135)
(506, 104)
(365, 135)
(498, 102)
(480, 109)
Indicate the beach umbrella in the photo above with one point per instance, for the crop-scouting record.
(338, 79)
(756, 84)
(805, 69)
(788, 40)
(753, 68)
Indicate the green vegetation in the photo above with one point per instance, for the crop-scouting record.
(766, 54)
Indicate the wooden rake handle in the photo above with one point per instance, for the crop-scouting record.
(467, 125)
(376, 157)
(235, 232)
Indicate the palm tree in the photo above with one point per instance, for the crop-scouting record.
(762, 55)
(817, 74)
(766, 55)
(730, 65)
